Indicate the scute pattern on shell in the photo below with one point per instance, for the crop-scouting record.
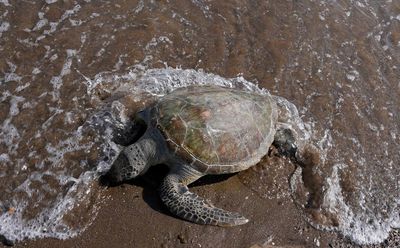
(217, 126)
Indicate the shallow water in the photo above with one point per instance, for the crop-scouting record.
(72, 74)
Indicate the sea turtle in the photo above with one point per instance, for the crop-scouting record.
(200, 130)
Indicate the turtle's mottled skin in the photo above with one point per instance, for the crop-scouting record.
(196, 131)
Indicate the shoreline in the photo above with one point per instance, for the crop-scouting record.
(133, 216)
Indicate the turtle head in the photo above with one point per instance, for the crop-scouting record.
(123, 170)
(285, 141)
(135, 159)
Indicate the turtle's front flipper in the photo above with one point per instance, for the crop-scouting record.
(189, 206)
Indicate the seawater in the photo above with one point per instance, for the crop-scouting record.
(43, 198)
(73, 74)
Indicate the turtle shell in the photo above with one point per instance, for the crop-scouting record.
(217, 129)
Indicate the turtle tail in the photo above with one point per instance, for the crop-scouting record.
(189, 206)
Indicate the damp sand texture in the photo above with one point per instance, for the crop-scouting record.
(73, 72)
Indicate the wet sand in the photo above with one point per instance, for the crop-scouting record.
(132, 215)
(330, 61)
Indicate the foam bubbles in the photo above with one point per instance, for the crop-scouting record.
(51, 1)
(362, 227)
(162, 81)
(4, 26)
(55, 181)
(5, 2)
(110, 119)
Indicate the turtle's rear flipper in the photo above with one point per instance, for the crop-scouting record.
(189, 206)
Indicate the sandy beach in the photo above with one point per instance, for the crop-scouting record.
(132, 215)
(74, 72)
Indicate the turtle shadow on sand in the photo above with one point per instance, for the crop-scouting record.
(199, 131)
(4, 241)
(150, 183)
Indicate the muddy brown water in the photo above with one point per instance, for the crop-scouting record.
(72, 71)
